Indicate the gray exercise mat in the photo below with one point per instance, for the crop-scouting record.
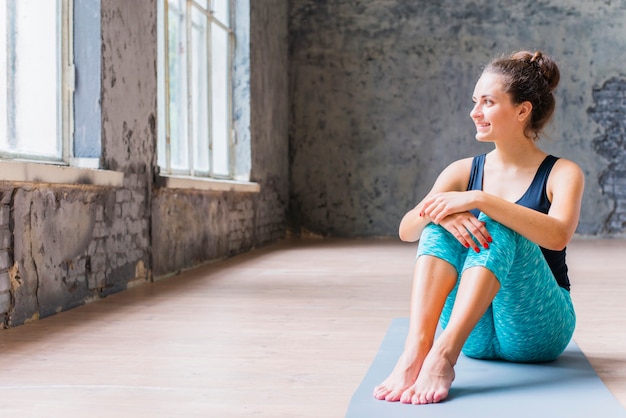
(567, 387)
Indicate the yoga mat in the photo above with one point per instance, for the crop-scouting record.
(566, 387)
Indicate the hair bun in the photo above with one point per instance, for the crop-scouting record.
(545, 64)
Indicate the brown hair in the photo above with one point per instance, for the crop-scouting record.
(529, 77)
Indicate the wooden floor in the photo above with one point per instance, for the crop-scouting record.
(288, 331)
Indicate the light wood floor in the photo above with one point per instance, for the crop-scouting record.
(288, 330)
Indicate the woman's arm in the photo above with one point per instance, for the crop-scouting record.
(450, 179)
(454, 178)
(552, 231)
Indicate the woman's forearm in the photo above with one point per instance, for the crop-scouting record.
(412, 224)
(543, 229)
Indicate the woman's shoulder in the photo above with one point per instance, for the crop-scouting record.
(566, 174)
(463, 163)
(456, 175)
(563, 166)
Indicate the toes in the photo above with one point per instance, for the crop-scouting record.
(407, 396)
(380, 392)
(393, 396)
(437, 397)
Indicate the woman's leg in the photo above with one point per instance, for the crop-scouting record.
(477, 288)
(507, 305)
(532, 318)
(436, 271)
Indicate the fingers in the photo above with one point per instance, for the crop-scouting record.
(479, 231)
(468, 230)
(463, 236)
(436, 211)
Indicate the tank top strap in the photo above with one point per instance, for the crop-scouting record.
(536, 196)
(476, 173)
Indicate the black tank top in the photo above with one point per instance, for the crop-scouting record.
(535, 198)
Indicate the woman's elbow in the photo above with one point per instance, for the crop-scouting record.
(558, 242)
(407, 236)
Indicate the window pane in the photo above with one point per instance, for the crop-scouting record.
(200, 91)
(32, 79)
(220, 11)
(203, 4)
(220, 107)
(3, 75)
(178, 85)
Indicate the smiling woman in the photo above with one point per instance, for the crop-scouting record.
(493, 230)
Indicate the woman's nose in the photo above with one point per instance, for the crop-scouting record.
(474, 112)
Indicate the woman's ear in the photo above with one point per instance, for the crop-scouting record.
(524, 111)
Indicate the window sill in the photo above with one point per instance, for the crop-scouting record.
(25, 172)
(195, 183)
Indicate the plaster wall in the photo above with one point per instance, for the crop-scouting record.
(381, 95)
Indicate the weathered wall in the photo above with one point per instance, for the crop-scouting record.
(381, 95)
(63, 245)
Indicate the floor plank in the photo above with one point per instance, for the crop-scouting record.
(283, 331)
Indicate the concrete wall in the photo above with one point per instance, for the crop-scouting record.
(63, 245)
(381, 95)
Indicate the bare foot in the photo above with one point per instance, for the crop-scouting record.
(403, 376)
(433, 383)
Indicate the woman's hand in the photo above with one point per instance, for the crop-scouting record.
(441, 205)
(463, 226)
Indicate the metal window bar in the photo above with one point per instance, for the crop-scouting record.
(68, 80)
(166, 91)
(190, 127)
(11, 63)
(227, 27)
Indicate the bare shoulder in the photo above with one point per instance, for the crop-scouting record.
(455, 176)
(459, 167)
(567, 169)
(566, 177)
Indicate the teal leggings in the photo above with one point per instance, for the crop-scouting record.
(531, 319)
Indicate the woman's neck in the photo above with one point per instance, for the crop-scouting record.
(517, 153)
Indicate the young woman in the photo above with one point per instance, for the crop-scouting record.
(492, 235)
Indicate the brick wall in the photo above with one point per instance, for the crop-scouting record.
(609, 113)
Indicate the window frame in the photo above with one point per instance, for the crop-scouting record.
(65, 87)
(164, 99)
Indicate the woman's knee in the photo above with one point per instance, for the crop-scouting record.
(437, 242)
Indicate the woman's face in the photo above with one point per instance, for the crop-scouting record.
(495, 116)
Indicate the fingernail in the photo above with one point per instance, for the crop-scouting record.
(477, 249)
(486, 246)
(466, 245)
(489, 239)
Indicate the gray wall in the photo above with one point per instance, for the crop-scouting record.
(381, 93)
(63, 245)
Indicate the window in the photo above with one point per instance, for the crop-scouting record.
(36, 72)
(196, 47)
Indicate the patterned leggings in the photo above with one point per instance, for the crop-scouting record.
(531, 319)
